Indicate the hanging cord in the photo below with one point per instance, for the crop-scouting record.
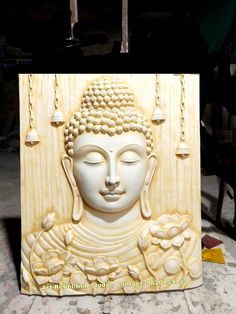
(157, 96)
(56, 92)
(31, 136)
(182, 109)
(182, 149)
(57, 117)
(158, 116)
(30, 94)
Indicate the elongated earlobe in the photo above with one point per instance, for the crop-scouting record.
(78, 207)
(144, 201)
(145, 208)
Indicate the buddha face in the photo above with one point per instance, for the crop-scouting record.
(110, 172)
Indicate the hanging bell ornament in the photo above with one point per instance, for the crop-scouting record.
(57, 117)
(158, 116)
(32, 137)
(182, 150)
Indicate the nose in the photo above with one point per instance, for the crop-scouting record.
(112, 180)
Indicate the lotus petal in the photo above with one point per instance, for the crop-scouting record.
(72, 260)
(112, 275)
(68, 237)
(187, 217)
(143, 242)
(102, 269)
(174, 231)
(30, 239)
(64, 256)
(153, 260)
(133, 272)
(37, 265)
(56, 278)
(113, 267)
(49, 254)
(164, 219)
(42, 279)
(111, 261)
(185, 225)
(161, 234)
(176, 217)
(54, 265)
(77, 278)
(119, 269)
(67, 269)
(154, 228)
(102, 279)
(99, 259)
(113, 264)
(91, 277)
(41, 272)
(89, 268)
(187, 234)
(178, 241)
(155, 241)
(195, 268)
(48, 222)
(165, 244)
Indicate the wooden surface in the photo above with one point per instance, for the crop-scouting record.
(44, 188)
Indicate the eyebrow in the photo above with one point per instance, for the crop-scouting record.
(88, 145)
(137, 146)
(133, 145)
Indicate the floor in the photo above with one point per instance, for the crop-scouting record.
(216, 295)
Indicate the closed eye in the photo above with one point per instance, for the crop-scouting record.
(94, 162)
(130, 157)
(94, 158)
(130, 161)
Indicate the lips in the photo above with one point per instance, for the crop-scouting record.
(115, 192)
(112, 196)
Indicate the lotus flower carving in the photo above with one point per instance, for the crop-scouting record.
(143, 241)
(102, 269)
(52, 266)
(48, 222)
(133, 272)
(171, 230)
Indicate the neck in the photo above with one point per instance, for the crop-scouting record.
(113, 220)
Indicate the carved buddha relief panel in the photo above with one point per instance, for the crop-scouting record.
(110, 198)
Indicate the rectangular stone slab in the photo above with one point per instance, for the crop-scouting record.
(107, 206)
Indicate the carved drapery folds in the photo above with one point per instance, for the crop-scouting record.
(58, 271)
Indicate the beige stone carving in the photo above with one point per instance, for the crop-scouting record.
(110, 232)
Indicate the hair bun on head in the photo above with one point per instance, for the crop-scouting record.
(107, 92)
